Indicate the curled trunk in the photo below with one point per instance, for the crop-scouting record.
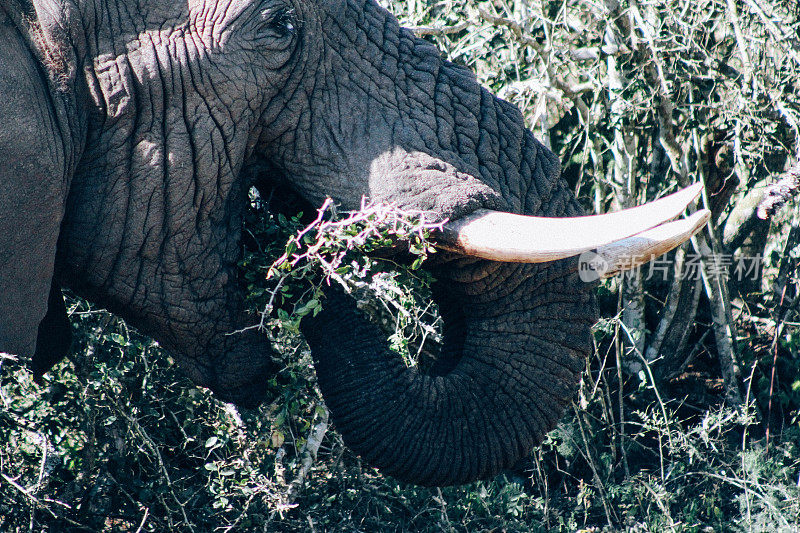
(515, 340)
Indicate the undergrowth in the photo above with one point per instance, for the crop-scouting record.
(116, 439)
(636, 98)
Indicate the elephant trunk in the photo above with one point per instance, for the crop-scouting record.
(515, 340)
(516, 330)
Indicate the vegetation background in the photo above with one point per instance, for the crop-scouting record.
(688, 414)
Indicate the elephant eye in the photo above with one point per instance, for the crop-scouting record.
(280, 21)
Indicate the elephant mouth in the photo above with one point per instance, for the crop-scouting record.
(622, 240)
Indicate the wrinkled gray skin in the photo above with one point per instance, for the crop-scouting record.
(125, 127)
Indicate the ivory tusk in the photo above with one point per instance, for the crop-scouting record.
(526, 239)
(641, 248)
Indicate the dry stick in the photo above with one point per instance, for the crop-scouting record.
(608, 416)
(519, 33)
(592, 384)
(620, 398)
(747, 67)
(741, 484)
(127, 494)
(670, 306)
(779, 36)
(714, 283)
(544, 486)
(596, 477)
(774, 348)
(144, 519)
(439, 31)
(309, 453)
(242, 514)
(44, 444)
(624, 177)
(654, 74)
(27, 493)
(744, 436)
(38, 502)
(443, 506)
(598, 52)
(659, 499)
(31, 491)
(661, 404)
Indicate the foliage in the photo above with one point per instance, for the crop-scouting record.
(334, 250)
(637, 98)
(121, 440)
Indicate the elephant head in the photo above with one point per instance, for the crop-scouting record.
(128, 175)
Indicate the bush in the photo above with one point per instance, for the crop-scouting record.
(688, 414)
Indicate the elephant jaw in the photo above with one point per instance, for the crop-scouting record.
(623, 240)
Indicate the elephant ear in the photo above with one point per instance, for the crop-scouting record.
(39, 145)
(54, 337)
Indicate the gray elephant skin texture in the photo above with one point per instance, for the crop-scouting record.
(126, 126)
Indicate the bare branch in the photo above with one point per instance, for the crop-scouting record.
(309, 453)
(779, 193)
(722, 323)
(439, 30)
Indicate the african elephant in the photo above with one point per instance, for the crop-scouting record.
(125, 128)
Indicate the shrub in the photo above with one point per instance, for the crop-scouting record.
(687, 417)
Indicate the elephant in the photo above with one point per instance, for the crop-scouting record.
(126, 126)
